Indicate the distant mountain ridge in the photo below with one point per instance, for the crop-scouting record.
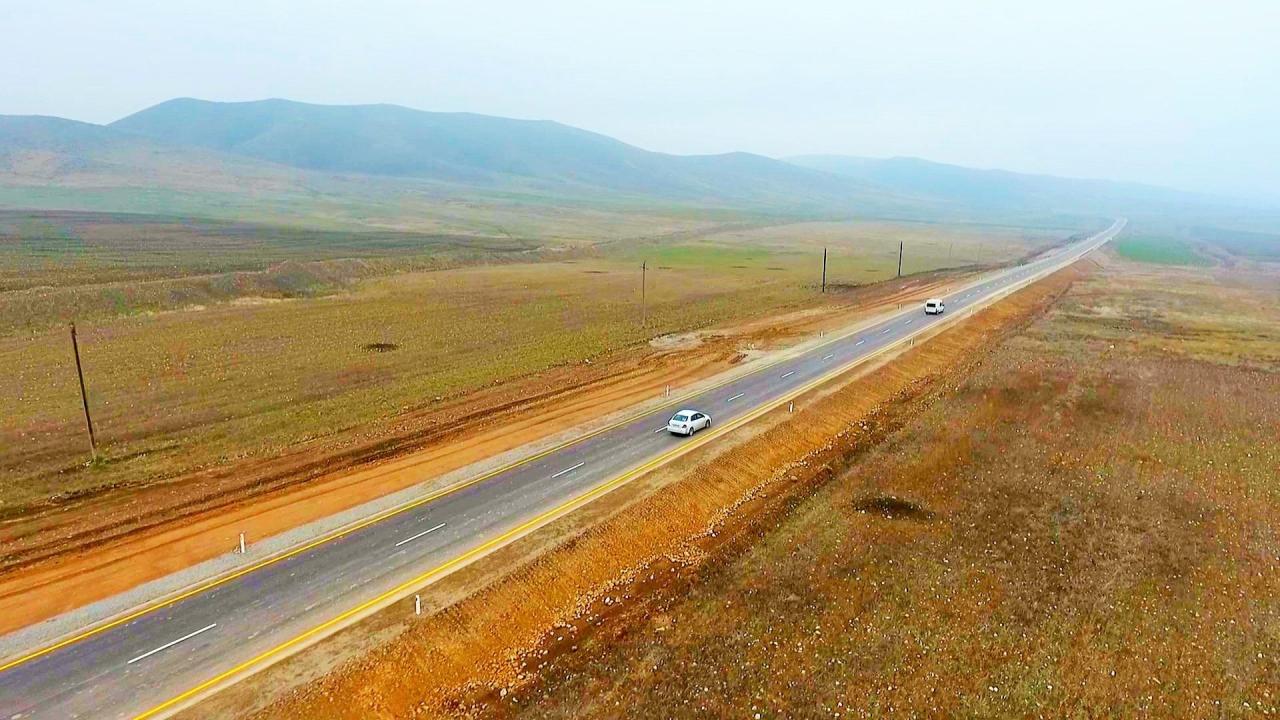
(989, 188)
(273, 153)
(40, 150)
(389, 140)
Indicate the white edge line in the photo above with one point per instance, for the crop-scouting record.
(415, 537)
(567, 470)
(166, 646)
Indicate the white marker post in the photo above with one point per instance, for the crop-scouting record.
(417, 604)
(668, 393)
(791, 407)
(241, 543)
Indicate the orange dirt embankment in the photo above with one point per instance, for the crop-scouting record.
(73, 555)
(479, 655)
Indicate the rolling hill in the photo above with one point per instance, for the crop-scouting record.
(40, 151)
(391, 165)
(481, 151)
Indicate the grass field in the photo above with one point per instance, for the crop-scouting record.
(858, 252)
(66, 266)
(1244, 243)
(1159, 250)
(362, 205)
(178, 390)
(198, 372)
(65, 249)
(76, 249)
(1083, 527)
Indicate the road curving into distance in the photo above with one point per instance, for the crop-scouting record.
(159, 659)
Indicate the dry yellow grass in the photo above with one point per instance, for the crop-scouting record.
(178, 391)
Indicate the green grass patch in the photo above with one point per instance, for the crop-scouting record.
(708, 256)
(1160, 251)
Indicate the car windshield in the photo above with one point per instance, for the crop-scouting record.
(680, 417)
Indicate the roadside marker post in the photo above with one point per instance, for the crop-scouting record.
(241, 543)
(417, 604)
(791, 407)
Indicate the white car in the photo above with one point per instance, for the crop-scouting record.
(688, 422)
(934, 306)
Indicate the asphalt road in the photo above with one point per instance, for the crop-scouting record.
(148, 664)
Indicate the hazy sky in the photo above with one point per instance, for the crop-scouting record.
(1174, 92)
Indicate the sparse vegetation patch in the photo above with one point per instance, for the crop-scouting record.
(892, 508)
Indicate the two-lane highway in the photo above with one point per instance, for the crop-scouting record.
(155, 660)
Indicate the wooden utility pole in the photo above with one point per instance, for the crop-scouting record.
(84, 397)
(644, 308)
(824, 270)
(899, 258)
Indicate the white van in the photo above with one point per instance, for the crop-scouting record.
(934, 306)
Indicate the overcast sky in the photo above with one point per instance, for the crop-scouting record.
(1176, 92)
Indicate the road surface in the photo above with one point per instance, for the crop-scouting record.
(160, 659)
